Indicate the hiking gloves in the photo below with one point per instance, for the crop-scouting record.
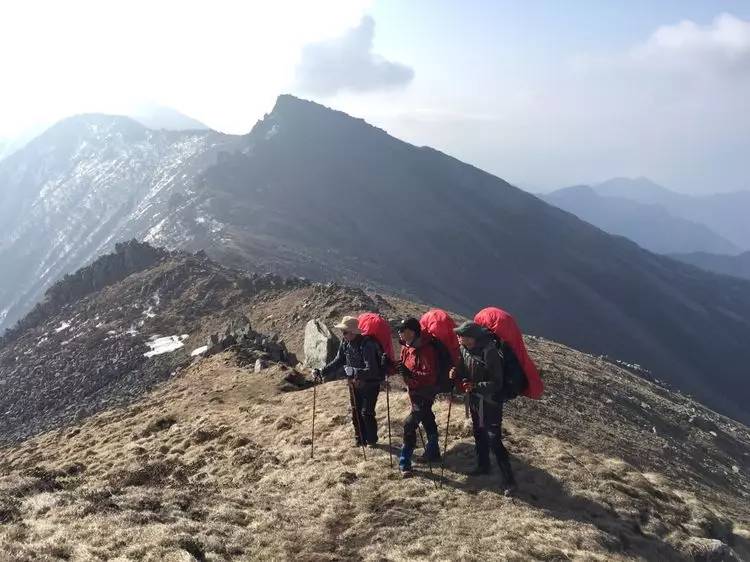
(350, 371)
(317, 376)
(404, 371)
(486, 387)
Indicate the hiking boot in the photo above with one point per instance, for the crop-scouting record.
(430, 456)
(481, 470)
(406, 472)
(357, 444)
(404, 461)
(431, 449)
(509, 489)
(509, 485)
(372, 444)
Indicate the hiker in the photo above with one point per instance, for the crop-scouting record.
(479, 374)
(360, 356)
(419, 369)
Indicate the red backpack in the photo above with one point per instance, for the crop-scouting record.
(374, 326)
(439, 325)
(506, 330)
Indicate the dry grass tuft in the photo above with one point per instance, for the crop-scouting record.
(183, 475)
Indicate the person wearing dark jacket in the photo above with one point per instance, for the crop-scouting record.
(419, 369)
(360, 356)
(480, 376)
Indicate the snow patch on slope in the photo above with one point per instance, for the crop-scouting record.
(167, 344)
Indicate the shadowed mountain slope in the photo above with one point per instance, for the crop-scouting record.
(315, 192)
(736, 266)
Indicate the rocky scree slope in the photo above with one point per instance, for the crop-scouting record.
(208, 458)
(84, 348)
(311, 191)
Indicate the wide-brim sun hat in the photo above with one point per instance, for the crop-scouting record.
(349, 324)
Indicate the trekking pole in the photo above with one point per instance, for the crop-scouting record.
(312, 440)
(355, 417)
(424, 446)
(445, 444)
(388, 409)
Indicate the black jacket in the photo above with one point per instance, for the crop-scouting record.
(483, 366)
(363, 353)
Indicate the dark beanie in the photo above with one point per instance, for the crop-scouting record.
(410, 324)
(471, 330)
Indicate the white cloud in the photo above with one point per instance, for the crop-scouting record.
(347, 63)
(723, 46)
(223, 63)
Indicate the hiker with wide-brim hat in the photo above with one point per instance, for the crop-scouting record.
(479, 375)
(360, 357)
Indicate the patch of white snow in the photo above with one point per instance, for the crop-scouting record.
(199, 351)
(164, 345)
(273, 131)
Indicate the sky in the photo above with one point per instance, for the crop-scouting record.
(544, 93)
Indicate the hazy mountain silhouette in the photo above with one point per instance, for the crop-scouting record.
(161, 117)
(724, 213)
(737, 266)
(649, 225)
(315, 192)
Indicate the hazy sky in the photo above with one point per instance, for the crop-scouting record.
(543, 93)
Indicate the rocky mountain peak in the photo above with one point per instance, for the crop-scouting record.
(305, 116)
(95, 125)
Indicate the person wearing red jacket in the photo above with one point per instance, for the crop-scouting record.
(419, 369)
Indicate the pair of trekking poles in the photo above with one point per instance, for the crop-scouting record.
(358, 429)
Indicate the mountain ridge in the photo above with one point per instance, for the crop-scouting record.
(722, 212)
(316, 193)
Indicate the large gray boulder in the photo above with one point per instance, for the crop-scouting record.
(320, 344)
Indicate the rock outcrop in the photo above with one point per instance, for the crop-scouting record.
(320, 344)
(128, 257)
(251, 347)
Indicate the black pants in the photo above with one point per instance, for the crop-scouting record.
(363, 415)
(488, 434)
(421, 412)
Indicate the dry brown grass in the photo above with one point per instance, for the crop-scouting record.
(215, 465)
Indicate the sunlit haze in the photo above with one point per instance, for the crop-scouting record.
(541, 94)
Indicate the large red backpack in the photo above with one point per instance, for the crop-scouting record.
(440, 326)
(505, 328)
(374, 326)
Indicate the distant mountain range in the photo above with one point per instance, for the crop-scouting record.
(724, 213)
(650, 225)
(314, 192)
(737, 266)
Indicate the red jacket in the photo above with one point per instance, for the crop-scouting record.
(422, 361)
